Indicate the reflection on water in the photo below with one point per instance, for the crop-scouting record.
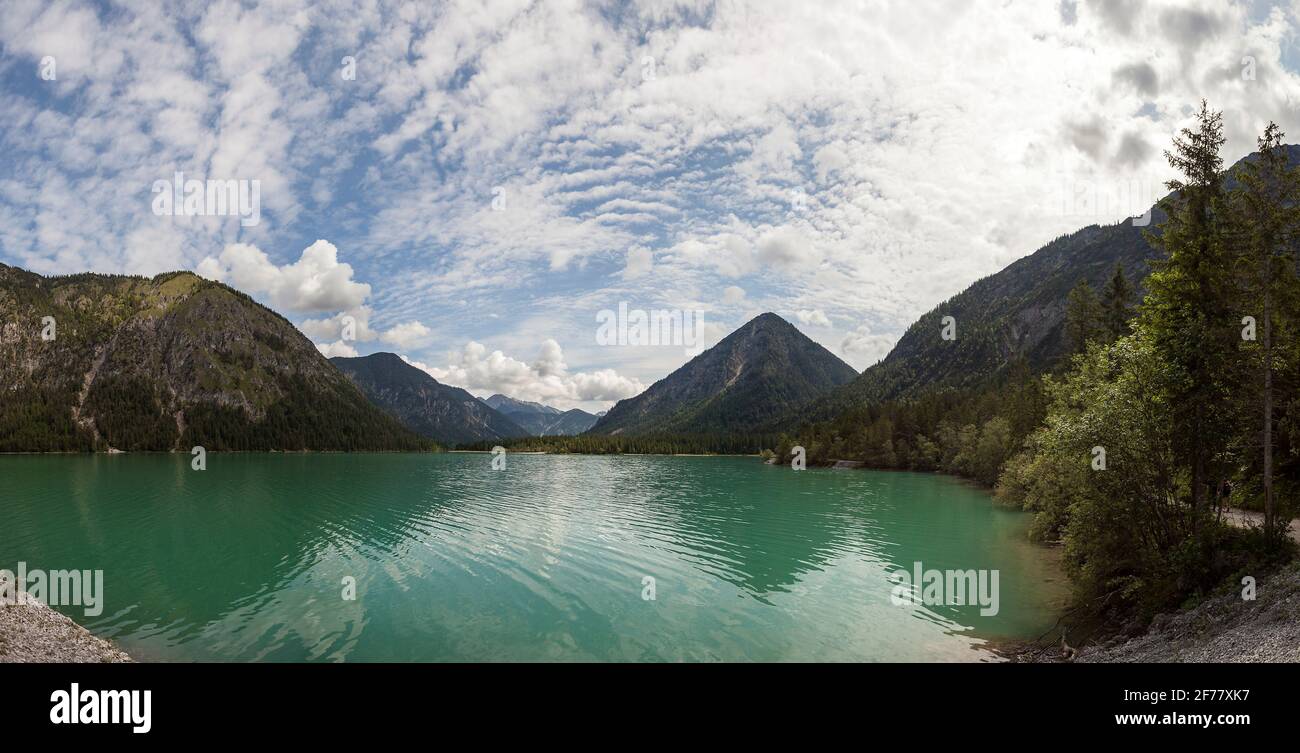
(542, 561)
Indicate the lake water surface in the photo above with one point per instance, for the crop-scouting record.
(547, 559)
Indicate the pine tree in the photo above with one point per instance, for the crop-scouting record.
(1117, 304)
(1083, 318)
(1265, 220)
(1189, 308)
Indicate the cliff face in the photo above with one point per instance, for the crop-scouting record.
(100, 362)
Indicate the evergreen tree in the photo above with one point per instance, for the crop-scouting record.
(1117, 304)
(1083, 318)
(1189, 309)
(1265, 229)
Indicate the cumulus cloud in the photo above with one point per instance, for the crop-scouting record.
(1189, 28)
(813, 317)
(1141, 76)
(733, 294)
(317, 282)
(785, 247)
(550, 362)
(353, 324)
(1133, 150)
(546, 380)
(407, 335)
(1118, 15)
(865, 347)
(338, 348)
(1089, 137)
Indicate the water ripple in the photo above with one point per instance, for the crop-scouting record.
(549, 560)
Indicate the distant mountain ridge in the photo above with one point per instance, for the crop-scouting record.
(542, 420)
(742, 384)
(423, 404)
(168, 363)
(1016, 314)
(511, 405)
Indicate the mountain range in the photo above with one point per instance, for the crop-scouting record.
(424, 405)
(111, 362)
(542, 420)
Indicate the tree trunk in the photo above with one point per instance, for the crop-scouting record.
(1270, 522)
(1198, 469)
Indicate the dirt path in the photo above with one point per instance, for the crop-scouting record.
(1252, 519)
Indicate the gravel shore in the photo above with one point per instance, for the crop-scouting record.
(1224, 628)
(37, 634)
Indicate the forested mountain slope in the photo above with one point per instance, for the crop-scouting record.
(423, 404)
(742, 384)
(168, 363)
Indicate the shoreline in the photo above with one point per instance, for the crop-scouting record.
(115, 453)
(36, 634)
(1223, 628)
(613, 454)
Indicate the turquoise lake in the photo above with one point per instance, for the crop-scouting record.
(549, 559)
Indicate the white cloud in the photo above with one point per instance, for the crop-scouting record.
(864, 347)
(357, 320)
(550, 362)
(786, 247)
(547, 380)
(604, 385)
(640, 260)
(316, 282)
(828, 160)
(407, 335)
(732, 295)
(337, 348)
(813, 317)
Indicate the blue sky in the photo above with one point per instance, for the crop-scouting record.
(846, 165)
